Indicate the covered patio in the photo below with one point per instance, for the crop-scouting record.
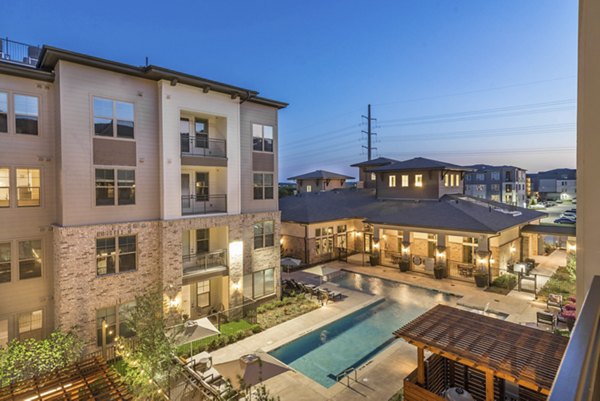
(489, 358)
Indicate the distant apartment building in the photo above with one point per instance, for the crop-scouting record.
(366, 177)
(115, 179)
(505, 184)
(319, 180)
(554, 184)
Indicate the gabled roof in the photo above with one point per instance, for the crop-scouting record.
(420, 163)
(451, 212)
(321, 175)
(559, 174)
(380, 161)
(486, 167)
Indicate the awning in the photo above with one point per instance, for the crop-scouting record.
(549, 229)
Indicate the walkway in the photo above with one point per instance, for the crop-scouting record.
(548, 264)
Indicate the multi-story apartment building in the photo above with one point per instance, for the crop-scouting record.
(506, 184)
(319, 180)
(555, 184)
(115, 179)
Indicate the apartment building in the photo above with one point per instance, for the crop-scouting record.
(560, 183)
(115, 179)
(505, 184)
(319, 180)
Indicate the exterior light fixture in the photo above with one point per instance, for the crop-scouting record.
(572, 247)
(236, 286)
(513, 249)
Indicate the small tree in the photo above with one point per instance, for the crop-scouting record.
(22, 360)
(149, 355)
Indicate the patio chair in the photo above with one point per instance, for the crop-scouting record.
(332, 294)
(547, 318)
(554, 301)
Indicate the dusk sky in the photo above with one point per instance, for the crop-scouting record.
(460, 81)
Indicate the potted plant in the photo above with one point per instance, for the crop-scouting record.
(438, 271)
(481, 277)
(374, 258)
(404, 265)
(568, 315)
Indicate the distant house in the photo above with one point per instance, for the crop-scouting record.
(554, 184)
(417, 213)
(319, 180)
(506, 184)
(366, 178)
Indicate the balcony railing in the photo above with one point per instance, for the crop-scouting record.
(204, 262)
(578, 377)
(202, 145)
(19, 53)
(203, 204)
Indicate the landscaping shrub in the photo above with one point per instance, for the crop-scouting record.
(508, 281)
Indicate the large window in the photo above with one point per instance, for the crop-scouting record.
(203, 293)
(28, 187)
(259, 284)
(5, 262)
(202, 187)
(418, 180)
(105, 187)
(341, 239)
(202, 240)
(30, 259)
(31, 325)
(262, 137)
(392, 181)
(495, 175)
(116, 254)
(26, 114)
(201, 130)
(113, 117)
(324, 240)
(431, 245)
(4, 187)
(3, 332)
(263, 186)
(469, 250)
(264, 235)
(3, 112)
(116, 319)
(405, 180)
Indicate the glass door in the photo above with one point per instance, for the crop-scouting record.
(184, 130)
(185, 191)
(368, 242)
(202, 187)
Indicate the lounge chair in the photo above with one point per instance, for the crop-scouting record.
(324, 292)
(554, 301)
(547, 318)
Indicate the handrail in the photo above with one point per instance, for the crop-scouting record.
(203, 204)
(578, 375)
(202, 145)
(204, 261)
(19, 53)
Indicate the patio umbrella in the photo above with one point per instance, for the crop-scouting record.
(322, 271)
(290, 262)
(250, 369)
(196, 330)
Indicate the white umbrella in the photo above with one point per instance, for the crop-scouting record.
(196, 330)
(322, 271)
(290, 262)
(251, 369)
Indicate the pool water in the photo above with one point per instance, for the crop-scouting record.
(351, 341)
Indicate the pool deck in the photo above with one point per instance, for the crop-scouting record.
(381, 377)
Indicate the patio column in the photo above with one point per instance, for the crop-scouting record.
(489, 385)
(421, 366)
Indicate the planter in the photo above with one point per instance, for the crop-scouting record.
(438, 273)
(570, 323)
(404, 265)
(374, 260)
(481, 279)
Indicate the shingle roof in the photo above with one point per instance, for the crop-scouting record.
(452, 212)
(320, 175)
(419, 163)
(559, 174)
(492, 167)
(380, 161)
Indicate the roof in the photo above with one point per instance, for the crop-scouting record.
(559, 174)
(451, 212)
(84, 380)
(486, 167)
(380, 161)
(321, 175)
(419, 163)
(548, 229)
(512, 351)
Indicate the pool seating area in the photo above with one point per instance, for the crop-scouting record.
(323, 294)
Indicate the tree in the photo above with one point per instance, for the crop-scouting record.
(22, 360)
(149, 355)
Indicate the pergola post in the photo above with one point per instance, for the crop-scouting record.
(489, 385)
(421, 366)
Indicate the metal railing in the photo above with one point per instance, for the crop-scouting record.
(202, 145)
(203, 204)
(201, 262)
(578, 377)
(19, 53)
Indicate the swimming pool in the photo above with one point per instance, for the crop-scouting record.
(353, 340)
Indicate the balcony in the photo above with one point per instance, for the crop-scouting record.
(19, 53)
(203, 204)
(205, 264)
(195, 147)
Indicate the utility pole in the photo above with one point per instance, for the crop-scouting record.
(369, 133)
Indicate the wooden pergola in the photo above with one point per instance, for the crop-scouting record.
(89, 379)
(518, 354)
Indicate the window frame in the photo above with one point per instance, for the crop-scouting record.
(392, 181)
(252, 277)
(405, 181)
(324, 240)
(263, 187)
(6, 113)
(31, 188)
(8, 188)
(261, 138)
(419, 180)
(114, 118)
(35, 330)
(116, 255)
(115, 186)
(41, 258)
(8, 262)
(205, 283)
(263, 235)
(14, 113)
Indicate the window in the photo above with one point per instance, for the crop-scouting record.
(259, 284)
(469, 250)
(30, 325)
(3, 112)
(30, 259)
(392, 181)
(262, 136)
(508, 176)
(117, 322)
(405, 180)
(105, 187)
(4, 187)
(3, 332)
(264, 235)
(508, 188)
(324, 240)
(201, 130)
(457, 180)
(26, 114)
(480, 177)
(28, 187)
(418, 180)
(373, 177)
(184, 130)
(113, 116)
(123, 316)
(111, 258)
(431, 245)
(202, 187)
(202, 240)
(446, 180)
(263, 186)
(495, 175)
(451, 179)
(5, 257)
(495, 187)
(309, 188)
(468, 177)
(340, 238)
(203, 293)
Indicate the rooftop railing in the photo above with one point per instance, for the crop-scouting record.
(578, 377)
(19, 53)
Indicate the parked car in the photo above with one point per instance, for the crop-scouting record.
(574, 211)
(559, 201)
(569, 215)
(564, 220)
(549, 203)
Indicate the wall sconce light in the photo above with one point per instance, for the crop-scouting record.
(492, 260)
(174, 302)
(572, 247)
(281, 241)
(513, 249)
(440, 254)
(236, 286)
(236, 249)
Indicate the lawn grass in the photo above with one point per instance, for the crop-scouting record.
(277, 312)
(227, 329)
(562, 282)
